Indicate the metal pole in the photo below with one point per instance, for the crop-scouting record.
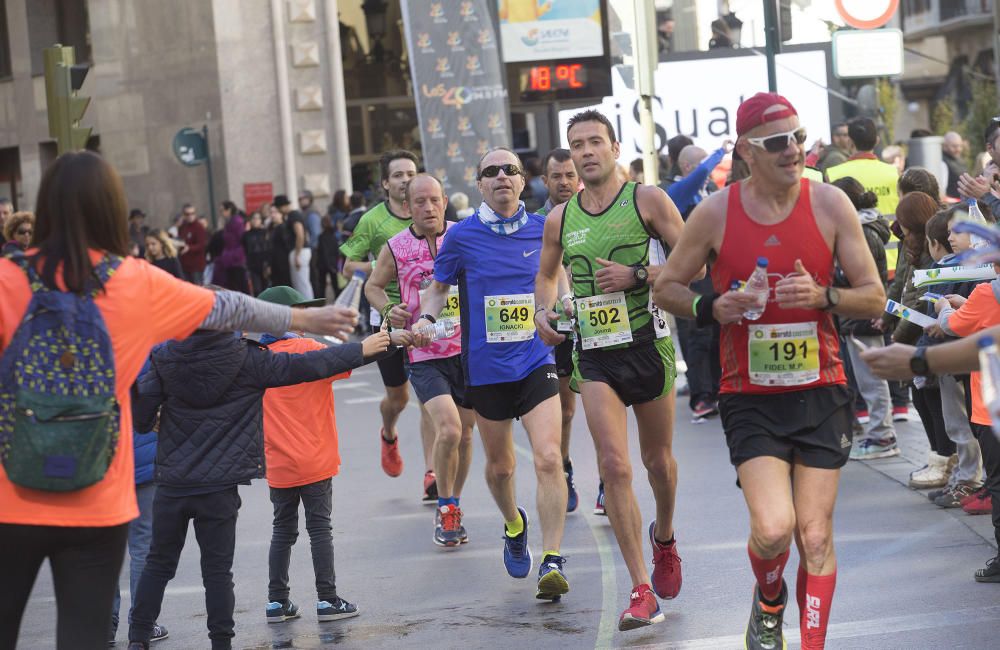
(645, 65)
(208, 170)
(340, 148)
(996, 44)
(772, 42)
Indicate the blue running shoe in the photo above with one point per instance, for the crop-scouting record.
(599, 506)
(516, 555)
(552, 583)
(574, 498)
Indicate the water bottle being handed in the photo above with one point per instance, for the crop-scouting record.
(989, 368)
(439, 330)
(757, 287)
(349, 297)
(976, 216)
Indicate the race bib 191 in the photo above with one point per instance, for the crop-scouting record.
(783, 354)
(510, 318)
(603, 320)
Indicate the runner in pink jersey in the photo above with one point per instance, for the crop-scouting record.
(435, 371)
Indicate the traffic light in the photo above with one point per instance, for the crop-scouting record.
(63, 78)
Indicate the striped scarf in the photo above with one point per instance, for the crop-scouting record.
(500, 225)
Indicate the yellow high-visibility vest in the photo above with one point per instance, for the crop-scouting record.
(812, 174)
(876, 176)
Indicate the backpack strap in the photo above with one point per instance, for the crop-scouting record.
(102, 272)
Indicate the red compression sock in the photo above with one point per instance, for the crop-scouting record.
(816, 615)
(768, 573)
(800, 588)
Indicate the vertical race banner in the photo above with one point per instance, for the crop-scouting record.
(458, 83)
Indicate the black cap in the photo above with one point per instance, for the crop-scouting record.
(281, 201)
(136, 212)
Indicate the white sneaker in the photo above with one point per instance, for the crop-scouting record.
(932, 475)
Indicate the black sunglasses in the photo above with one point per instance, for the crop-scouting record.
(510, 169)
(779, 141)
(23, 232)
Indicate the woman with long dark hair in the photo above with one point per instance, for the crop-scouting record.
(230, 266)
(81, 264)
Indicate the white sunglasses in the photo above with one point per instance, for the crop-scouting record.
(779, 141)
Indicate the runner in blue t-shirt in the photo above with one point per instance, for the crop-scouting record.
(493, 257)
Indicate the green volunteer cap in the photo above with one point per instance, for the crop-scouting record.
(288, 296)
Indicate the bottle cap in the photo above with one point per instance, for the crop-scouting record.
(970, 201)
(360, 274)
(762, 261)
(985, 342)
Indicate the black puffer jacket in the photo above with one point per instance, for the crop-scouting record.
(876, 230)
(211, 387)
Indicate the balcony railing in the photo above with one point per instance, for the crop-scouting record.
(950, 9)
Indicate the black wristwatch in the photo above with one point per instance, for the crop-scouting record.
(918, 362)
(640, 274)
(428, 317)
(832, 298)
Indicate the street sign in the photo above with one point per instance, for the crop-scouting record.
(256, 195)
(867, 53)
(190, 147)
(866, 14)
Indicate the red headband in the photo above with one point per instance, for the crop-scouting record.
(751, 113)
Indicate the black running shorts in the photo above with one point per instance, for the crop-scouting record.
(512, 399)
(392, 368)
(435, 377)
(564, 358)
(638, 374)
(812, 426)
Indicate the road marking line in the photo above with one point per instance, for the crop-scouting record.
(364, 400)
(609, 579)
(872, 627)
(351, 385)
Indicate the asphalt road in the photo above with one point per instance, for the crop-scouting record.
(905, 577)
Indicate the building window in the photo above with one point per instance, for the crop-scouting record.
(57, 21)
(5, 69)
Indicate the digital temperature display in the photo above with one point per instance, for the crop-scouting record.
(543, 78)
(571, 79)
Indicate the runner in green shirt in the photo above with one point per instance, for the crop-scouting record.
(623, 357)
(372, 232)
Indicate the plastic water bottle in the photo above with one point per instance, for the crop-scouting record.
(977, 216)
(989, 369)
(439, 330)
(351, 295)
(757, 287)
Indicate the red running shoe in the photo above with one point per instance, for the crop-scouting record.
(972, 497)
(980, 504)
(666, 567)
(642, 610)
(392, 462)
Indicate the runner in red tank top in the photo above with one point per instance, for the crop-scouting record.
(785, 411)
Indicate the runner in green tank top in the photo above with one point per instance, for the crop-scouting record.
(604, 234)
(618, 234)
(372, 232)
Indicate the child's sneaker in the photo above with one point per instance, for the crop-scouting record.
(280, 611)
(336, 610)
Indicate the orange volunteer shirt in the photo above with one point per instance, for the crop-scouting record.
(300, 426)
(141, 306)
(979, 312)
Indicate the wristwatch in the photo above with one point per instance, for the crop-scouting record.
(640, 274)
(918, 362)
(832, 298)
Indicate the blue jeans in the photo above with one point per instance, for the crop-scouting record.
(140, 533)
